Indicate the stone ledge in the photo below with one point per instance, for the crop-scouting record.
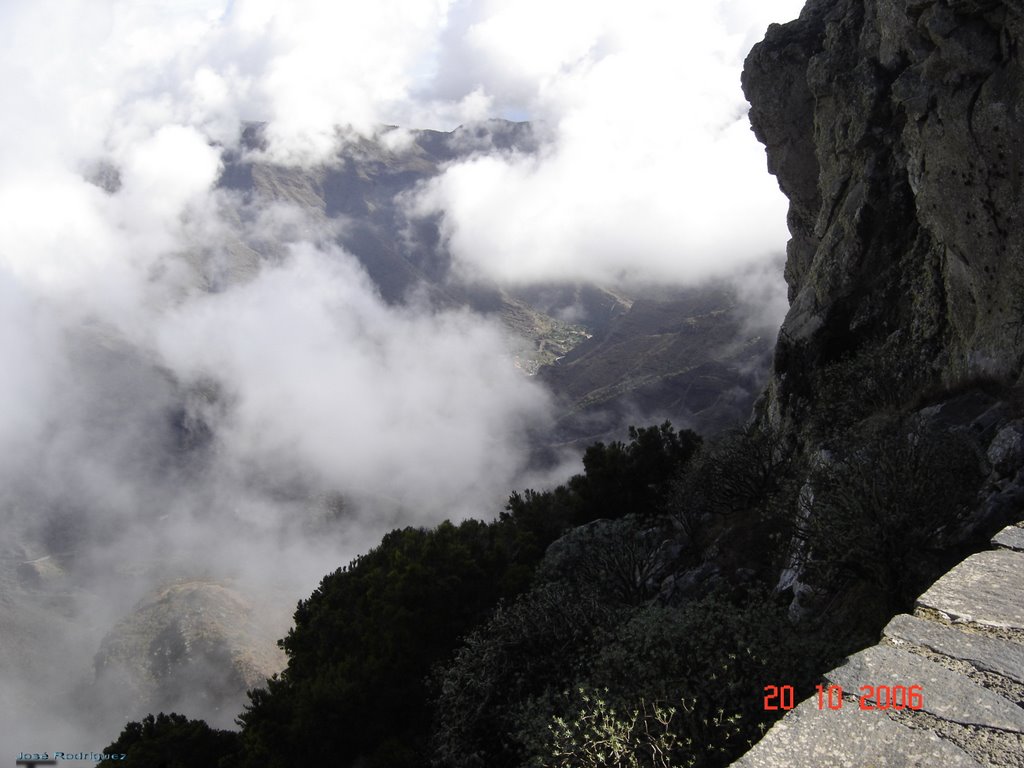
(971, 620)
(1011, 537)
(984, 589)
(945, 694)
(850, 738)
(986, 653)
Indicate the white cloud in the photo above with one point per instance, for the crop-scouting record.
(162, 175)
(326, 379)
(647, 171)
(317, 64)
(652, 172)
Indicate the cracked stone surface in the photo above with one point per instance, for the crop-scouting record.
(850, 738)
(1011, 537)
(947, 695)
(961, 722)
(971, 622)
(985, 589)
(987, 653)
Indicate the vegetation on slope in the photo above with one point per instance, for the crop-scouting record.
(631, 617)
(365, 642)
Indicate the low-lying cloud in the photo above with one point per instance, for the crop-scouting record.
(650, 171)
(327, 380)
(190, 385)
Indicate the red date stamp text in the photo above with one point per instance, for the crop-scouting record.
(883, 697)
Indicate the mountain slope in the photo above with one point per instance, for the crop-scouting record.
(648, 353)
(683, 354)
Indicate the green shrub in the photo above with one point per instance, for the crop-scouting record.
(623, 560)
(710, 659)
(507, 671)
(600, 737)
(366, 639)
(882, 510)
(881, 377)
(503, 701)
(174, 741)
(632, 478)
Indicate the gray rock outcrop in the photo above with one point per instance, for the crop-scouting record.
(894, 127)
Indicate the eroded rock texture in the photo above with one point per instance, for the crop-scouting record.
(894, 126)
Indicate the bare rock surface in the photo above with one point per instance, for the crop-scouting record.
(993, 654)
(945, 694)
(1011, 537)
(985, 589)
(896, 130)
(850, 738)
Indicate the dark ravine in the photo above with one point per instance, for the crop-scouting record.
(692, 359)
(683, 354)
(887, 448)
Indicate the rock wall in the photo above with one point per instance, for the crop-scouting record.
(894, 128)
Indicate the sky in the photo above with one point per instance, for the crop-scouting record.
(301, 375)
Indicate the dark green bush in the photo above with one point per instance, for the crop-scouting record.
(554, 674)
(508, 669)
(882, 377)
(174, 741)
(738, 472)
(709, 660)
(632, 478)
(364, 642)
(623, 560)
(882, 508)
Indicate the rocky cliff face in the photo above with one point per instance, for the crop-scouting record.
(894, 126)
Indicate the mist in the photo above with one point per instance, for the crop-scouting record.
(199, 391)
